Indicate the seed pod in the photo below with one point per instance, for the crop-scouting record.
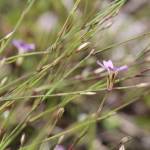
(60, 112)
(83, 46)
(22, 140)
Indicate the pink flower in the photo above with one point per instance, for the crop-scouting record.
(108, 65)
(22, 46)
(112, 71)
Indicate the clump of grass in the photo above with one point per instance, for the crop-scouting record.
(47, 92)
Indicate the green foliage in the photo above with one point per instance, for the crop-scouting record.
(45, 90)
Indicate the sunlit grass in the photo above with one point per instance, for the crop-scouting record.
(53, 82)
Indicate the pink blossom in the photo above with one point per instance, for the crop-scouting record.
(108, 65)
(22, 46)
(112, 71)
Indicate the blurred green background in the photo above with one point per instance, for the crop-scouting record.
(121, 36)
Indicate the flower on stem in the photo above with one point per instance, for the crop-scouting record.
(112, 71)
(22, 46)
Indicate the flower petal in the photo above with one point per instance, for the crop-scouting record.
(122, 68)
(16, 43)
(105, 64)
(108, 65)
(22, 46)
(100, 64)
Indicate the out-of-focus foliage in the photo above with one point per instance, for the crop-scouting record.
(55, 97)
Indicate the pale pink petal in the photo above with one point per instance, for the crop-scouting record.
(110, 64)
(122, 68)
(105, 64)
(100, 64)
(22, 46)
